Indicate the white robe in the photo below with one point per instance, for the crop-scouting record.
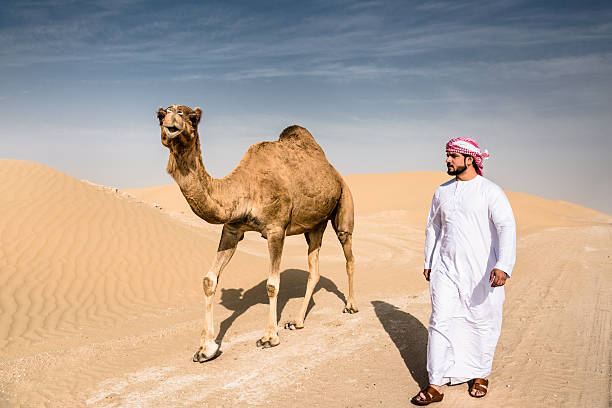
(470, 231)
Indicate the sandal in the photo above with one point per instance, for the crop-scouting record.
(478, 384)
(431, 395)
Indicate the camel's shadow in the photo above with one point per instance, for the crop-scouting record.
(409, 336)
(293, 285)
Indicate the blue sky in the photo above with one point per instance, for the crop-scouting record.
(382, 85)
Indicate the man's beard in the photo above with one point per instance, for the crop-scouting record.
(457, 171)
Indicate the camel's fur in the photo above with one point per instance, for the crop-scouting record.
(279, 188)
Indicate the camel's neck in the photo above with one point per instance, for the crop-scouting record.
(202, 192)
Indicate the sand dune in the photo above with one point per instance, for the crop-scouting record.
(100, 302)
(78, 258)
(411, 194)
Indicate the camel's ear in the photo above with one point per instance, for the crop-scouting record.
(161, 114)
(195, 117)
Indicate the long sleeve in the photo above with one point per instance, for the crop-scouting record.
(432, 232)
(502, 217)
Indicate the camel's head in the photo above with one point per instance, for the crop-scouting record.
(179, 126)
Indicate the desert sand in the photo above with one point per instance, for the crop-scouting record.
(101, 303)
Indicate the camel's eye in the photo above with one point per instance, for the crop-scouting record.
(180, 113)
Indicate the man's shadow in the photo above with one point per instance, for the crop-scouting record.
(409, 336)
(292, 285)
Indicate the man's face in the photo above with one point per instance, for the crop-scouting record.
(455, 163)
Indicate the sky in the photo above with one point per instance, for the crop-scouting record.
(381, 85)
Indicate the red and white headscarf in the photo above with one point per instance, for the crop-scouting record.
(466, 145)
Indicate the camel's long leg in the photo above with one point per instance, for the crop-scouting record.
(343, 223)
(227, 246)
(314, 239)
(346, 239)
(276, 240)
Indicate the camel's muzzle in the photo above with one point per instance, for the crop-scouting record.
(171, 131)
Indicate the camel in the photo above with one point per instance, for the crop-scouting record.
(279, 188)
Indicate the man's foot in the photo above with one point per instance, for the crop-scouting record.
(478, 387)
(427, 395)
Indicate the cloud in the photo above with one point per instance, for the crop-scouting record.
(346, 42)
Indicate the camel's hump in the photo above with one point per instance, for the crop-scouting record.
(295, 132)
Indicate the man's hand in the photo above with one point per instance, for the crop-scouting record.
(426, 273)
(498, 278)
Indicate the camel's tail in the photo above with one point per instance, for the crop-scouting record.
(343, 219)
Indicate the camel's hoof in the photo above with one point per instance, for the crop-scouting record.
(293, 326)
(350, 310)
(200, 357)
(268, 343)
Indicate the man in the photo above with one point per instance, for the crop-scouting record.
(470, 251)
